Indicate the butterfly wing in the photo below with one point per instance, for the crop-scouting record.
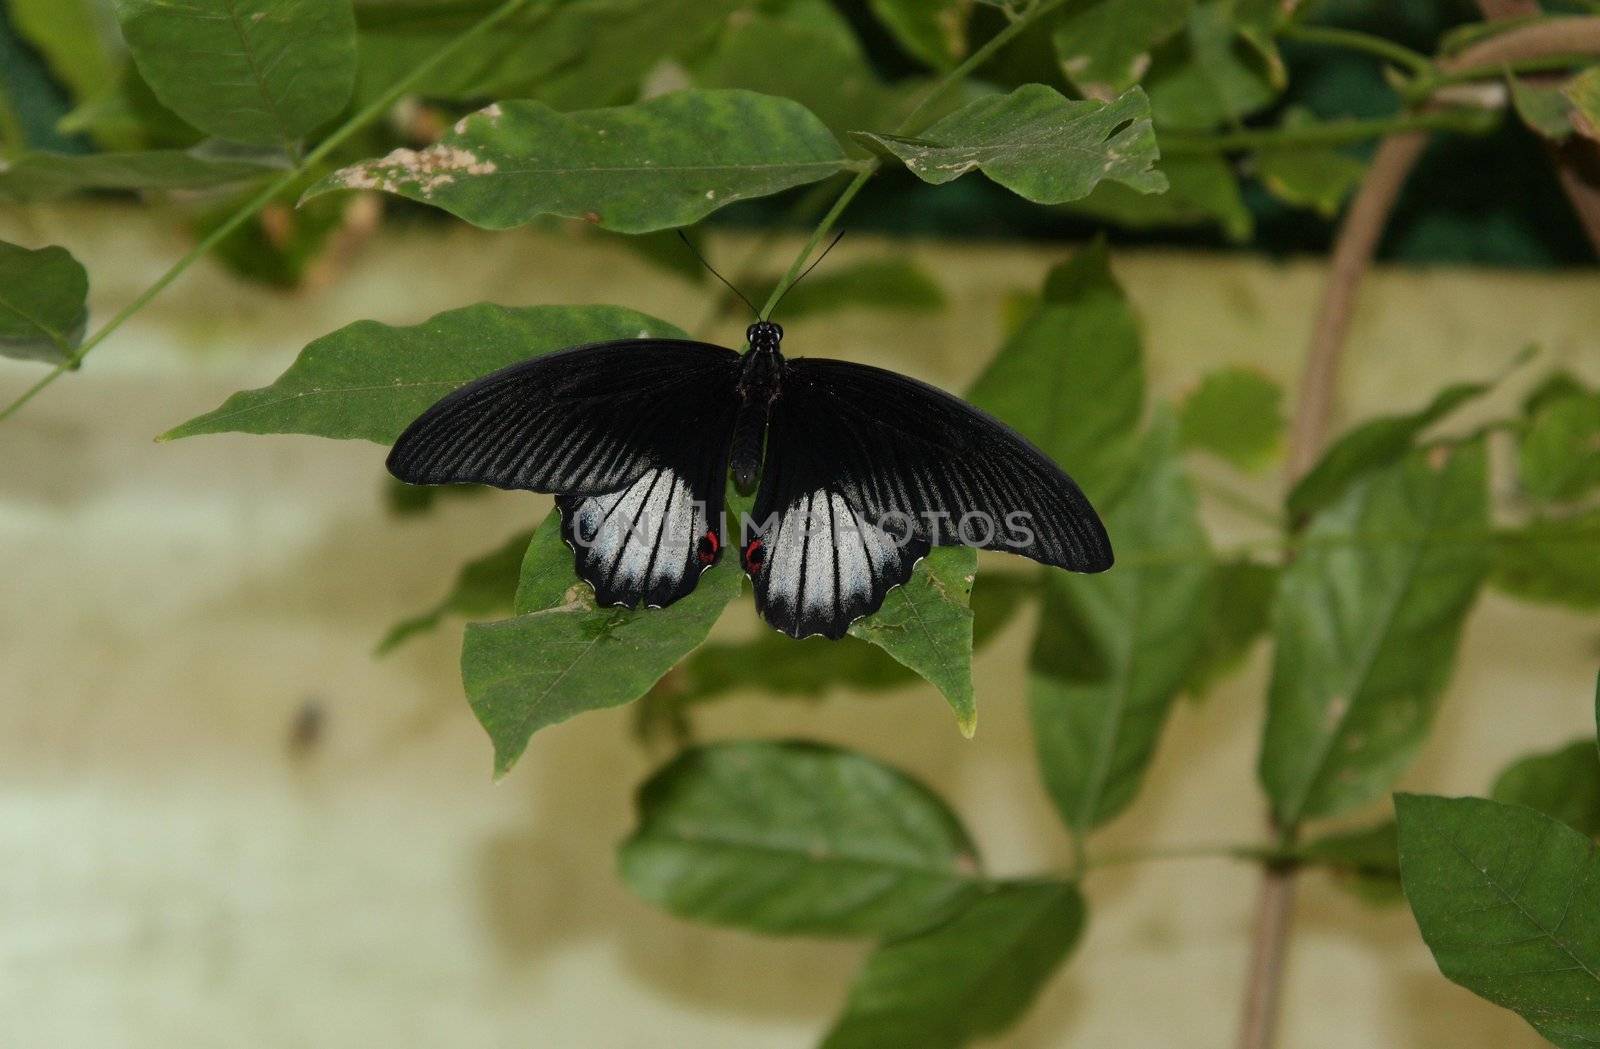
(872, 454)
(633, 438)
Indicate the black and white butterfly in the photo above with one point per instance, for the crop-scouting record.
(861, 471)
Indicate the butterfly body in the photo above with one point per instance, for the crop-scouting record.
(760, 384)
(857, 472)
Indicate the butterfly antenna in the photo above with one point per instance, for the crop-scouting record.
(806, 272)
(713, 271)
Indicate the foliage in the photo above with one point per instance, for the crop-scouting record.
(644, 116)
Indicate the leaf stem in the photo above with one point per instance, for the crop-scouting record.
(1350, 40)
(1331, 133)
(366, 115)
(1247, 851)
(912, 123)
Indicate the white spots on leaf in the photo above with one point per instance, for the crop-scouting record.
(492, 112)
(711, 194)
(427, 169)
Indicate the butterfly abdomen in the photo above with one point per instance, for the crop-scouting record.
(758, 388)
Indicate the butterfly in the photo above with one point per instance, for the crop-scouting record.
(857, 472)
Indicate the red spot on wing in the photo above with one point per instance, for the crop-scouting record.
(710, 544)
(755, 555)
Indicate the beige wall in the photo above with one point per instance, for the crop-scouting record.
(171, 874)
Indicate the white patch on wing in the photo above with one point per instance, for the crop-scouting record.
(639, 544)
(826, 566)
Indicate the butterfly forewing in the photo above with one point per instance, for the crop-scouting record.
(633, 438)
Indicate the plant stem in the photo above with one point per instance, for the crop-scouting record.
(1351, 40)
(369, 113)
(1331, 133)
(909, 126)
(1204, 851)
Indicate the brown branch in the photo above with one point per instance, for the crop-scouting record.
(1354, 249)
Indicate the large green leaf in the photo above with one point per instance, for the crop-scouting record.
(77, 37)
(1584, 93)
(1551, 560)
(1560, 452)
(1373, 445)
(485, 586)
(1240, 612)
(42, 303)
(796, 838)
(1368, 618)
(926, 625)
(264, 72)
(1105, 46)
(1365, 860)
(1235, 413)
(971, 977)
(571, 55)
(667, 162)
(812, 58)
(1216, 73)
(1071, 378)
(46, 176)
(1563, 784)
(1202, 190)
(777, 665)
(934, 31)
(1114, 650)
(1038, 144)
(563, 655)
(369, 380)
(1508, 901)
(1309, 177)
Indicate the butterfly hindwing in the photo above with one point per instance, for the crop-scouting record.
(631, 436)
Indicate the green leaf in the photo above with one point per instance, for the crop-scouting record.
(1240, 613)
(369, 380)
(776, 665)
(1368, 618)
(926, 625)
(1583, 91)
(934, 31)
(971, 977)
(1552, 561)
(78, 38)
(796, 838)
(43, 311)
(1213, 74)
(562, 655)
(894, 283)
(812, 57)
(484, 587)
(1365, 861)
(1564, 784)
(1507, 900)
(1105, 45)
(1373, 445)
(47, 176)
(667, 162)
(1202, 189)
(1309, 177)
(1546, 110)
(264, 72)
(1237, 414)
(1071, 378)
(1114, 650)
(1038, 144)
(1560, 451)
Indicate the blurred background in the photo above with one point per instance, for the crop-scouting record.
(225, 822)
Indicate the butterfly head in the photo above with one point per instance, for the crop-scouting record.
(763, 335)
